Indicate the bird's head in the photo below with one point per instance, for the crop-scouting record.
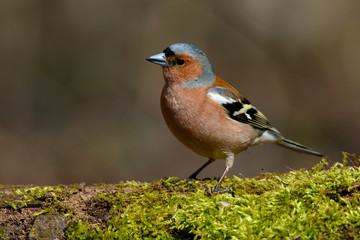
(186, 65)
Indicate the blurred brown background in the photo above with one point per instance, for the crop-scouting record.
(79, 103)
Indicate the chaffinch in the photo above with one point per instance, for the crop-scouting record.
(208, 115)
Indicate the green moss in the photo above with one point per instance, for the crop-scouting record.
(2, 232)
(36, 197)
(320, 203)
(312, 204)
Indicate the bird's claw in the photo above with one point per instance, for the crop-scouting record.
(190, 179)
(226, 190)
(214, 191)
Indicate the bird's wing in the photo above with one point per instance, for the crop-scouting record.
(239, 108)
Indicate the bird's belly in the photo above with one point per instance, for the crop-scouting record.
(203, 126)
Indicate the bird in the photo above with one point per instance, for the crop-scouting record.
(207, 114)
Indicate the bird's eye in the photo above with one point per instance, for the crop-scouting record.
(180, 61)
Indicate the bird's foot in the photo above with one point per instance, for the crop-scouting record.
(216, 190)
(190, 179)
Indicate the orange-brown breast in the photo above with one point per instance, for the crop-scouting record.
(201, 124)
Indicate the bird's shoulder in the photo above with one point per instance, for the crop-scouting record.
(236, 105)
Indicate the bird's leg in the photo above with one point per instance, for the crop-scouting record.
(217, 187)
(194, 174)
(228, 162)
(192, 177)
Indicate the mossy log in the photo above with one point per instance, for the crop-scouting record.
(320, 203)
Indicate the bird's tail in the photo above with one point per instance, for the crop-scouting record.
(298, 147)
